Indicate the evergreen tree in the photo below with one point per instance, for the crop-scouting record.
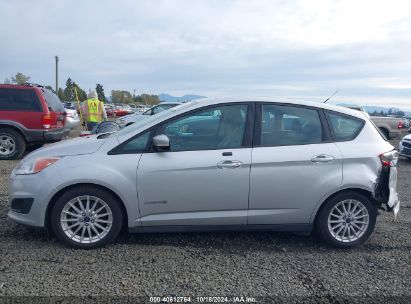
(68, 93)
(100, 92)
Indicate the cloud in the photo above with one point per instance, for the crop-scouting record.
(304, 48)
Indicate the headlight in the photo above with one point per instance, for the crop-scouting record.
(121, 122)
(34, 166)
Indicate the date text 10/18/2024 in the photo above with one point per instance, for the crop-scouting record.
(174, 299)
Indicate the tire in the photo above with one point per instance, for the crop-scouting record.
(12, 144)
(409, 158)
(82, 234)
(326, 225)
(385, 132)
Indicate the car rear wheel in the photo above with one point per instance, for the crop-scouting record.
(86, 217)
(346, 220)
(12, 144)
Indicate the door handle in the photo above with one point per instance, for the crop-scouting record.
(230, 164)
(322, 158)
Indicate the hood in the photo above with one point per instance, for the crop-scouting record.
(70, 147)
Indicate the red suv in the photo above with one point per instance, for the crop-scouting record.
(30, 115)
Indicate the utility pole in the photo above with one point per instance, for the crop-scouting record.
(57, 74)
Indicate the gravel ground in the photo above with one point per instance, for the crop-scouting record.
(286, 267)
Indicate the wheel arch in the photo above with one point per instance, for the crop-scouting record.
(55, 197)
(13, 127)
(362, 191)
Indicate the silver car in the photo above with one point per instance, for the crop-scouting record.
(72, 119)
(218, 164)
(128, 120)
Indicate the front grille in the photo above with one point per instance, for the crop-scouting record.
(406, 144)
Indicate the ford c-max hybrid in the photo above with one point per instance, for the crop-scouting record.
(214, 164)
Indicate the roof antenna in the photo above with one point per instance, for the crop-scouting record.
(335, 92)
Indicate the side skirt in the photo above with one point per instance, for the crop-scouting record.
(307, 228)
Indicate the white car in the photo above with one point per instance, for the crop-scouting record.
(405, 146)
(134, 117)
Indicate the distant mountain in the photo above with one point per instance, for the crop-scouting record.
(167, 97)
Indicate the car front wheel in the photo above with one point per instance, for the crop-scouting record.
(346, 220)
(86, 217)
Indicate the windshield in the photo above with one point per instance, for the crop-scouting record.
(137, 125)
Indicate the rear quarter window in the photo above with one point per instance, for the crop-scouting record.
(344, 127)
(19, 100)
(53, 101)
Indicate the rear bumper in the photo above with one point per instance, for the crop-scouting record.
(386, 189)
(34, 136)
(54, 135)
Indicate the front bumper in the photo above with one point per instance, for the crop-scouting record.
(30, 187)
(404, 150)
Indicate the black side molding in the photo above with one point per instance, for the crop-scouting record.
(203, 228)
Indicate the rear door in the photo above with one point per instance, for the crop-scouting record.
(295, 164)
(21, 105)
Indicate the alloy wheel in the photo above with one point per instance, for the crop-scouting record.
(86, 219)
(7, 145)
(348, 220)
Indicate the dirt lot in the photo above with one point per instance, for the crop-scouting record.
(284, 266)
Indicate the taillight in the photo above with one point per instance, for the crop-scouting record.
(46, 121)
(400, 125)
(389, 159)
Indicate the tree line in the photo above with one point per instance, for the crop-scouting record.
(68, 93)
(390, 113)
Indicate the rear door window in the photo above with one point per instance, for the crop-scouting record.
(53, 101)
(19, 100)
(344, 127)
(290, 125)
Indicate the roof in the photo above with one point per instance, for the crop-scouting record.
(282, 100)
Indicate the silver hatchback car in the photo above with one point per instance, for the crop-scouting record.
(214, 164)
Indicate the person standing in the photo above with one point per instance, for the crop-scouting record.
(93, 110)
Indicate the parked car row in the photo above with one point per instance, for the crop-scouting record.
(138, 116)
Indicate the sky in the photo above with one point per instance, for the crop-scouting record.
(304, 49)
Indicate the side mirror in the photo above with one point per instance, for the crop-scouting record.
(161, 142)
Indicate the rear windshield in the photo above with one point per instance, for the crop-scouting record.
(53, 101)
(19, 100)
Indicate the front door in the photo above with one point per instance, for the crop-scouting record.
(204, 178)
